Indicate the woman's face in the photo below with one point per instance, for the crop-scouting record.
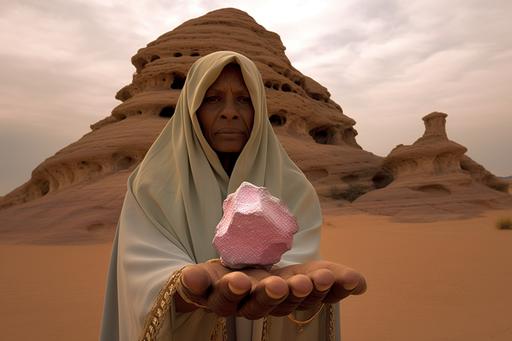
(226, 114)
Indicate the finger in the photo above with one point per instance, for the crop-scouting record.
(322, 280)
(348, 282)
(267, 294)
(228, 292)
(299, 286)
(195, 279)
(193, 287)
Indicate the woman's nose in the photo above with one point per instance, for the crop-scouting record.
(229, 111)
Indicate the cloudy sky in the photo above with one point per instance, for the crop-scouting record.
(387, 63)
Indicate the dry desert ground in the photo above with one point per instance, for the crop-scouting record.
(448, 280)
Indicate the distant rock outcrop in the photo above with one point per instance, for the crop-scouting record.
(79, 190)
(432, 179)
(431, 155)
(483, 176)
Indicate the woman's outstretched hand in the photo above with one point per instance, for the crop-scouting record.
(254, 293)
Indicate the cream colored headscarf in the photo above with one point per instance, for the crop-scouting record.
(174, 201)
(181, 184)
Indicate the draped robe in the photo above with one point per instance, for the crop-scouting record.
(174, 202)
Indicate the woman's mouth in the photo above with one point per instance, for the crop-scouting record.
(229, 132)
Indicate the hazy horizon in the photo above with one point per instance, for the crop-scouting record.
(387, 63)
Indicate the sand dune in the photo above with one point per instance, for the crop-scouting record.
(431, 281)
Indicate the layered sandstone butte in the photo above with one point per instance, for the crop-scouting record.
(77, 194)
(433, 178)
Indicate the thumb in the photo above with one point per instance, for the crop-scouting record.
(194, 284)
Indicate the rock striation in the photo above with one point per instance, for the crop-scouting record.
(84, 183)
(433, 178)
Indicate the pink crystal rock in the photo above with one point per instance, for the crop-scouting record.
(255, 230)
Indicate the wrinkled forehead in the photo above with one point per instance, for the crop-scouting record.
(230, 77)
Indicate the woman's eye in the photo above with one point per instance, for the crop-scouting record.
(244, 99)
(211, 99)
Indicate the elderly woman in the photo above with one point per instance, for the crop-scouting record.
(165, 281)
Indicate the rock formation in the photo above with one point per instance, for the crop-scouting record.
(83, 184)
(76, 195)
(432, 178)
(431, 155)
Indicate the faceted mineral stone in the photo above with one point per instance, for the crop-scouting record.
(255, 230)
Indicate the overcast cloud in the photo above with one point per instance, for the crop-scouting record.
(387, 63)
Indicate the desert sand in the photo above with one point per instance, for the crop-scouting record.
(447, 280)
